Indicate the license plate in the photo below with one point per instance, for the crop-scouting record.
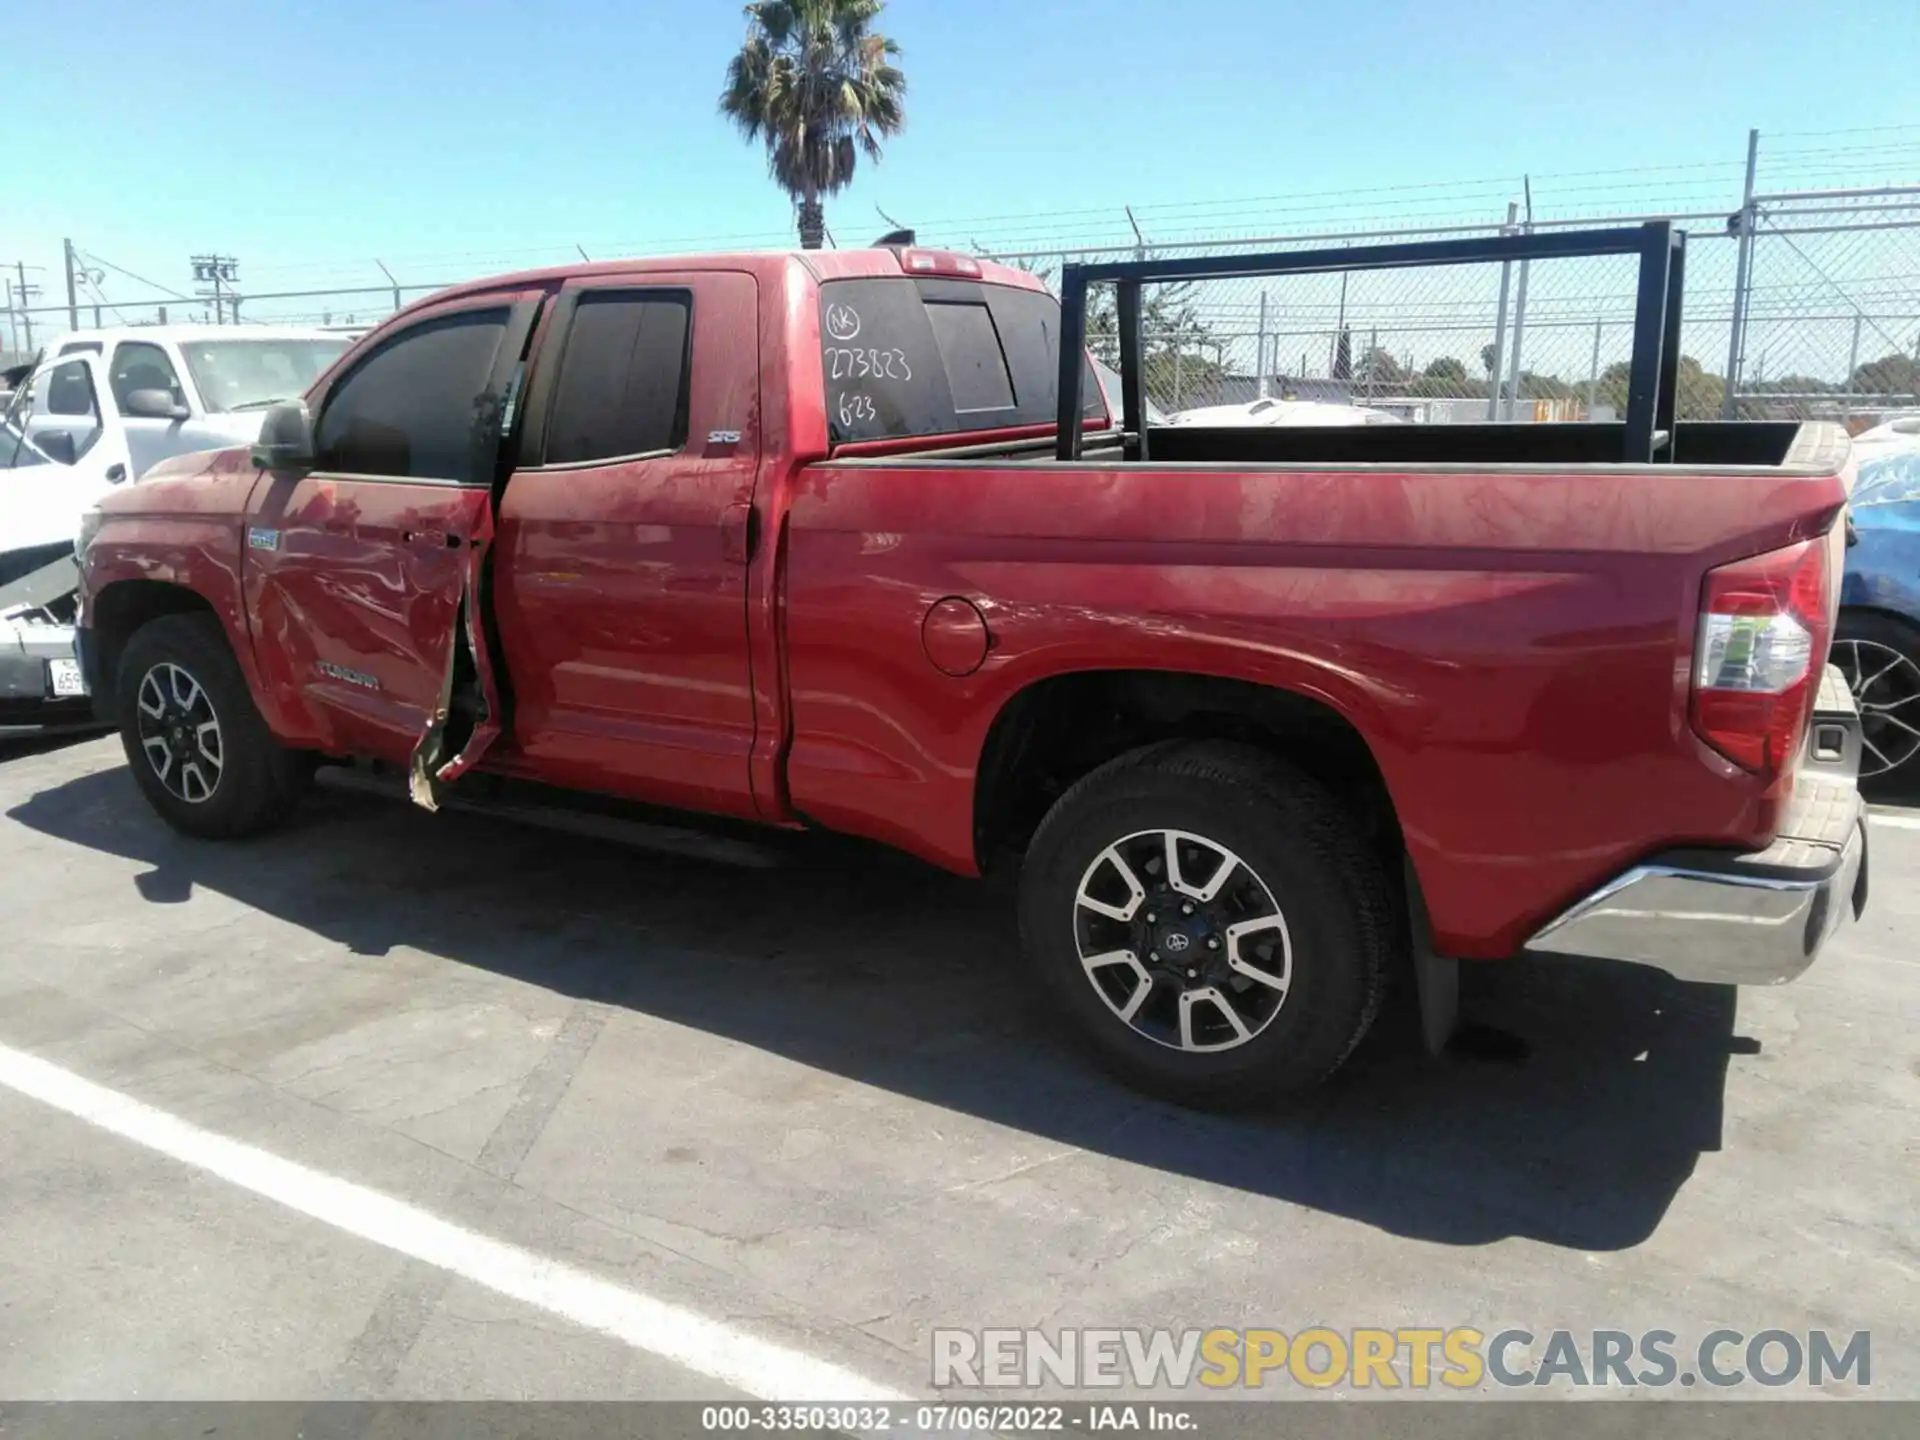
(66, 677)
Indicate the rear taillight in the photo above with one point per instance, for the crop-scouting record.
(1764, 630)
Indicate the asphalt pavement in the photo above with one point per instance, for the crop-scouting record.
(392, 1104)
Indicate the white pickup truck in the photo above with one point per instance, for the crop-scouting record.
(171, 389)
(102, 409)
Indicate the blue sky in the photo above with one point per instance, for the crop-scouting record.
(457, 138)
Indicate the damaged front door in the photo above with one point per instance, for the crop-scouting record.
(364, 573)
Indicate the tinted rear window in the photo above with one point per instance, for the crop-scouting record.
(935, 357)
(623, 380)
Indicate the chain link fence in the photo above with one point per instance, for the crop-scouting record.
(1524, 341)
(1798, 304)
(1832, 321)
(1801, 304)
(1827, 310)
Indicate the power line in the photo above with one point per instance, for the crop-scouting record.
(100, 301)
(150, 284)
(1854, 130)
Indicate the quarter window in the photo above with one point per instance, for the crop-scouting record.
(69, 390)
(419, 404)
(622, 387)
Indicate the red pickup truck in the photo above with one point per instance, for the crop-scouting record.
(1263, 716)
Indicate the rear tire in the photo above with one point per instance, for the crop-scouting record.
(1258, 990)
(1880, 656)
(198, 747)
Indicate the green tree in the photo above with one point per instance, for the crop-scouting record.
(1446, 378)
(1543, 387)
(1792, 385)
(1894, 374)
(1612, 386)
(1179, 368)
(1488, 354)
(1378, 370)
(1103, 324)
(817, 85)
(1700, 391)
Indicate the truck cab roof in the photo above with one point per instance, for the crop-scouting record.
(871, 262)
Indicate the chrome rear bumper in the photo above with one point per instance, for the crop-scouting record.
(1743, 919)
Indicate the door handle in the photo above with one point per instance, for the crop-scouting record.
(430, 539)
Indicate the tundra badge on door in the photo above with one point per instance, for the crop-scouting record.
(341, 672)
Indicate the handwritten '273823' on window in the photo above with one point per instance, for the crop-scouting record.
(843, 364)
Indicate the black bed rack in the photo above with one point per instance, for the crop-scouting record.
(1652, 383)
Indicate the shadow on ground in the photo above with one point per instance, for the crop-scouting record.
(19, 742)
(1604, 1088)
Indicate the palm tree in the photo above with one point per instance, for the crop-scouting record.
(818, 86)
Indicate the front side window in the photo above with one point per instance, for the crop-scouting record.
(419, 404)
(138, 365)
(254, 374)
(622, 387)
(58, 415)
(16, 451)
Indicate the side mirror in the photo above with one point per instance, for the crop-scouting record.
(153, 405)
(286, 438)
(57, 445)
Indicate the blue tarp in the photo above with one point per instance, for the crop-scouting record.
(1887, 493)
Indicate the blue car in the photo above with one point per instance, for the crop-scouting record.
(1878, 642)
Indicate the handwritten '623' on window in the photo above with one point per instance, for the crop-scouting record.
(843, 364)
(855, 408)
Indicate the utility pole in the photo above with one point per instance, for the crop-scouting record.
(1742, 223)
(1519, 314)
(24, 293)
(73, 300)
(218, 271)
(1593, 370)
(1494, 382)
(1260, 350)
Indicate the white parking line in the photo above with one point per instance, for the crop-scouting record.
(716, 1351)
(1897, 822)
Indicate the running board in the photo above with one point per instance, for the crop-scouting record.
(591, 824)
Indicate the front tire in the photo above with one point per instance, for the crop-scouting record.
(1211, 920)
(198, 747)
(1880, 656)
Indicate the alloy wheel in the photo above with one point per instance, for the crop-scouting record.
(1182, 940)
(1886, 688)
(180, 733)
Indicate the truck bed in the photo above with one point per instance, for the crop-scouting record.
(1787, 447)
